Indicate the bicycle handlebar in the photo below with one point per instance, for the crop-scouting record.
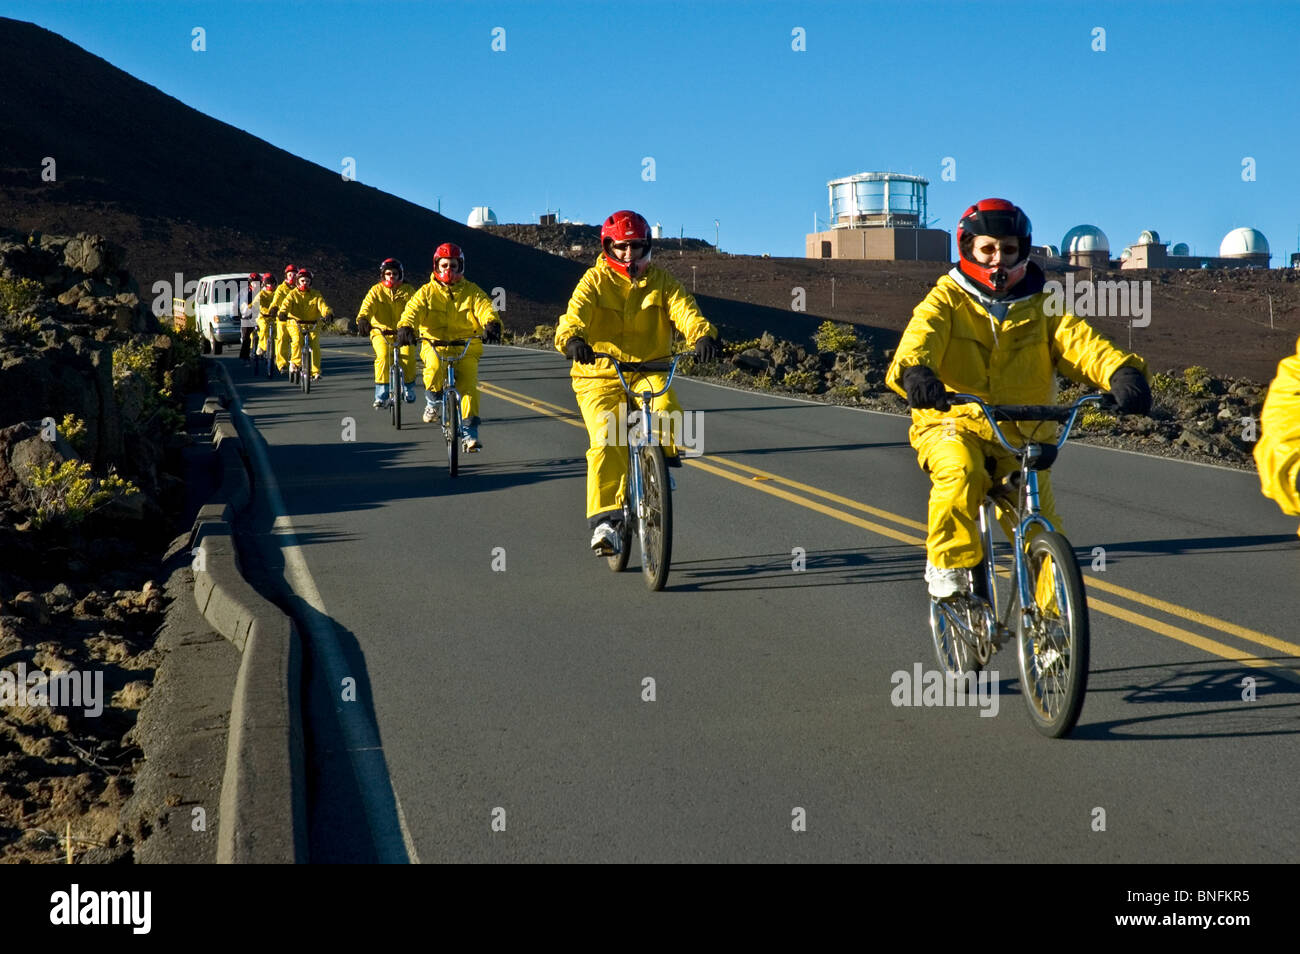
(653, 366)
(1061, 413)
(452, 343)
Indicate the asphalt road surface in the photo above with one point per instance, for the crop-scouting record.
(479, 679)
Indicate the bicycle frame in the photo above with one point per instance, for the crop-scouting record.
(451, 397)
(1022, 482)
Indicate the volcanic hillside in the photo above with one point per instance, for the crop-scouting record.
(183, 192)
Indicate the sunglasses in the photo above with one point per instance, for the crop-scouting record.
(449, 266)
(634, 246)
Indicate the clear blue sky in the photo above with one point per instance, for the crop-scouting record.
(1150, 133)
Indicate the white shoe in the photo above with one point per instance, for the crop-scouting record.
(948, 582)
(605, 541)
(431, 414)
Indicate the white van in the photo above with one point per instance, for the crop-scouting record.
(218, 301)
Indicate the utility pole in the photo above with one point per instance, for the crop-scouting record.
(716, 230)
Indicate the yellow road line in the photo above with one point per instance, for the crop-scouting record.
(757, 482)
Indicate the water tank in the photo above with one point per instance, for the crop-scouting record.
(1180, 248)
(1244, 243)
(1149, 237)
(878, 199)
(657, 231)
(480, 216)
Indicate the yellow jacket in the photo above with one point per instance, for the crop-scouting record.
(383, 306)
(1011, 361)
(281, 291)
(264, 299)
(631, 319)
(1277, 454)
(302, 305)
(447, 312)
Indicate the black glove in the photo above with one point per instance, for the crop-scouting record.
(575, 349)
(492, 332)
(707, 349)
(363, 325)
(405, 336)
(1131, 391)
(924, 389)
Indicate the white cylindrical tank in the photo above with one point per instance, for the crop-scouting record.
(657, 230)
(480, 216)
(1244, 243)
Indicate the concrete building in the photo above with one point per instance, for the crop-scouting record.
(1240, 248)
(882, 216)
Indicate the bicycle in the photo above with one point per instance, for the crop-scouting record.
(304, 354)
(1052, 641)
(647, 489)
(254, 341)
(396, 379)
(451, 399)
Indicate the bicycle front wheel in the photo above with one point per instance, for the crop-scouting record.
(1053, 641)
(395, 380)
(655, 517)
(451, 428)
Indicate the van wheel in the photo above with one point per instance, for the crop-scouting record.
(216, 342)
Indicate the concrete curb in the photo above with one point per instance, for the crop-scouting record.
(263, 794)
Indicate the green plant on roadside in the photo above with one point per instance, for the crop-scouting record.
(140, 387)
(846, 392)
(1197, 380)
(69, 493)
(73, 430)
(1163, 385)
(832, 337)
(1101, 420)
(736, 347)
(544, 333)
(18, 294)
(804, 381)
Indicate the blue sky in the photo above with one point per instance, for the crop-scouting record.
(1149, 133)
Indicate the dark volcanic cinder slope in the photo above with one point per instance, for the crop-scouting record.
(183, 192)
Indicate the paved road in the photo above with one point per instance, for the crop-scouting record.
(515, 696)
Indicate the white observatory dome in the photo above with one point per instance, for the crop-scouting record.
(1125, 255)
(1149, 237)
(1085, 238)
(480, 216)
(1240, 243)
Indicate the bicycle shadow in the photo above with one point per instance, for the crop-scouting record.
(1234, 706)
(843, 567)
(1166, 547)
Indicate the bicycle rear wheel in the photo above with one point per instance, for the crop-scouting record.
(953, 623)
(655, 517)
(1053, 647)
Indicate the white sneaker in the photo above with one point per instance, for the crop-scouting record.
(431, 413)
(945, 583)
(605, 541)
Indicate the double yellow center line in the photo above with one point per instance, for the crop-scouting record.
(851, 511)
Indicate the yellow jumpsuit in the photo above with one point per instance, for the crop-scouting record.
(304, 306)
(1012, 361)
(635, 320)
(448, 312)
(281, 332)
(264, 319)
(1277, 454)
(383, 309)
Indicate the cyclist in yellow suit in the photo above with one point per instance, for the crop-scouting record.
(383, 308)
(264, 314)
(281, 332)
(304, 304)
(1277, 454)
(990, 329)
(449, 307)
(624, 306)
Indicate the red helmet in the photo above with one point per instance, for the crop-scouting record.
(391, 265)
(267, 278)
(626, 226)
(999, 218)
(305, 273)
(453, 252)
(289, 270)
(254, 277)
